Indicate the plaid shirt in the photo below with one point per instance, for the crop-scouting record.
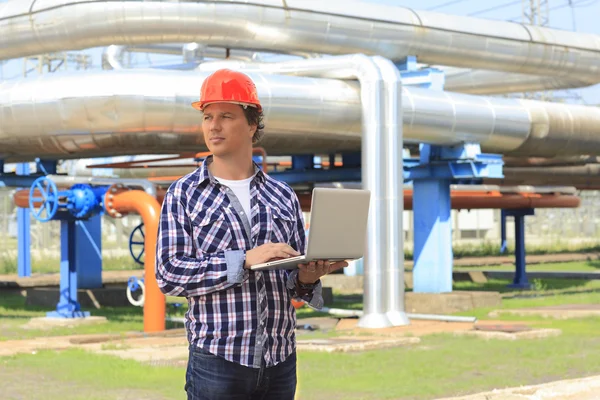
(241, 315)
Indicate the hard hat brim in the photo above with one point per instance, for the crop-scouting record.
(199, 105)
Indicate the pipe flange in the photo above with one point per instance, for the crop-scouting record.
(112, 191)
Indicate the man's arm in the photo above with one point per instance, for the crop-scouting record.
(179, 270)
(311, 293)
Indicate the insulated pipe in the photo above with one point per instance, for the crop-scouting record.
(113, 54)
(118, 201)
(31, 27)
(101, 113)
(481, 82)
(394, 264)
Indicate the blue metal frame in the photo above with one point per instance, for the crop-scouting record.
(88, 252)
(68, 306)
(23, 232)
(520, 280)
(439, 167)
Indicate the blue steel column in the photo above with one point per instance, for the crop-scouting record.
(23, 232)
(520, 280)
(88, 252)
(68, 306)
(432, 271)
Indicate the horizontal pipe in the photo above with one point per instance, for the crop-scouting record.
(300, 25)
(459, 199)
(82, 115)
(482, 82)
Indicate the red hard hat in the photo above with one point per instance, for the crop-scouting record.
(227, 86)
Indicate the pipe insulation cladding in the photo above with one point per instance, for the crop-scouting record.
(31, 27)
(99, 113)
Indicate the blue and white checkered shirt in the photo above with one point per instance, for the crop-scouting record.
(241, 315)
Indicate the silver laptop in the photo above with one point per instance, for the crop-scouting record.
(338, 228)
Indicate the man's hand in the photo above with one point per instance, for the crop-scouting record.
(314, 270)
(268, 252)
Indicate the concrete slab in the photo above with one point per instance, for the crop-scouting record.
(567, 311)
(449, 303)
(572, 389)
(529, 334)
(50, 323)
(354, 343)
(416, 328)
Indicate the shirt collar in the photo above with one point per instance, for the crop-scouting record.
(204, 173)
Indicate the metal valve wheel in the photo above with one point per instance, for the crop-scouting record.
(49, 197)
(136, 246)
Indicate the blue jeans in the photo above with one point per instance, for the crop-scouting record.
(210, 377)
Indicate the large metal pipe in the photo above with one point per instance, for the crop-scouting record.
(581, 176)
(103, 113)
(394, 246)
(481, 82)
(120, 201)
(190, 52)
(329, 27)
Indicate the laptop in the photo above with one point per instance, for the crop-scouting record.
(338, 228)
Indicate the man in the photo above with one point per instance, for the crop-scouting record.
(215, 223)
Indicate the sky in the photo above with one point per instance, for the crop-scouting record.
(571, 15)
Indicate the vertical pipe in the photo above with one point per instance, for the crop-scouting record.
(148, 208)
(373, 179)
(393, 180)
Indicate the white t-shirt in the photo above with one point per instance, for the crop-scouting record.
(241, 189)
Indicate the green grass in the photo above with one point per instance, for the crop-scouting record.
(14, 314)
(80, 375)
(441, 365)
(8, 264)
(575, 266)
(487, 248)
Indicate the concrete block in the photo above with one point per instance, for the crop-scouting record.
(448, 303)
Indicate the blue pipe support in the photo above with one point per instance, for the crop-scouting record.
(46, 167)
(437, 169)
(68, 305)
(23, 232)
(318, 175)
(520, 280)
(303, 162)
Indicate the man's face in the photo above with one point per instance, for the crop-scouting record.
(226, 129)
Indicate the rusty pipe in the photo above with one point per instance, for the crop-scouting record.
(486, 200)
(119, 201)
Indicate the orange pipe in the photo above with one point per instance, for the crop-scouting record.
(120, 201)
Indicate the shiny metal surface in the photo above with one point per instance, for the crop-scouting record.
(82, 115)
(103, 113)
(477, 81)
(394, 193)
(190, 52)
(30, 27)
